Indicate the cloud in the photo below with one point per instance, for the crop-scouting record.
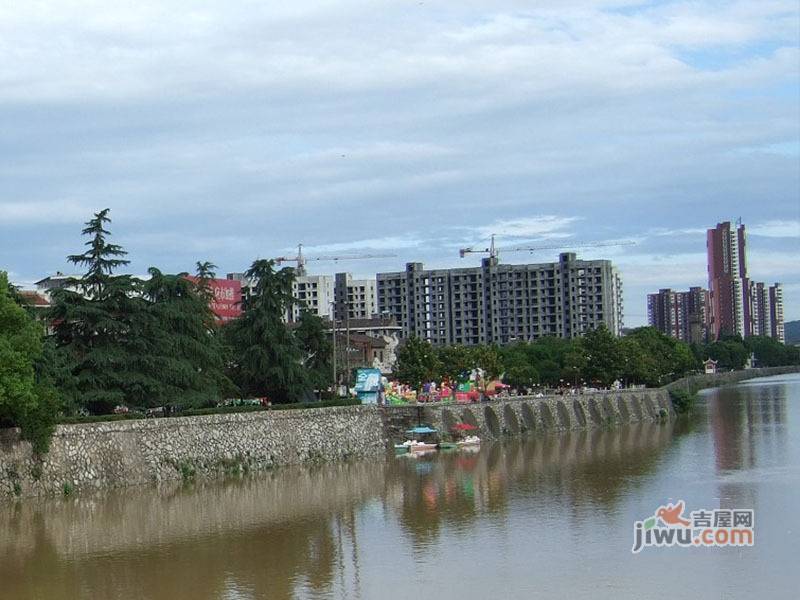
(777, 229)
(364, 246)
(229, 131)
(42, 212)
(543, 227)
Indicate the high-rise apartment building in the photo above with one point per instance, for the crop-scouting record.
(727, 280)
(325, 295)
(682, 315)
(738, 305)
(355, 298)
(499, 303)
(776, 313)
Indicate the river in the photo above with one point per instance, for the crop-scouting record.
(547, 516)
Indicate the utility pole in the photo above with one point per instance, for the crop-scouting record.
(347, 341)
(333, 322)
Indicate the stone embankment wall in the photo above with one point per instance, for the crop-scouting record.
(97, 455)
(699, 382)
(527, 414)
(121, 453)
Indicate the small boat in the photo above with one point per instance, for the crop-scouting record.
(414, 446)
(447, 445)
(470, 440)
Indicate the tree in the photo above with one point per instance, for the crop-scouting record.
(317, 349)
(417, 363)
(456, 362)
(97, 328)
(267, 358)
(575, 362)
(729, 353)
(489, 359)
(205, 273)
(184, 353)
(520, 371)
(25, 401)
(603, 355)
(768, 351)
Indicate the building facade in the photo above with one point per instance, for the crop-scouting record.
(738, 305)
(776, 313)
(727, 280)
(499, 303)
(355, 298)
(682, 315)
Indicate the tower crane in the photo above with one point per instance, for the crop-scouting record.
(494, 252)
(301, 259)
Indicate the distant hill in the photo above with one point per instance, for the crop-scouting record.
(791, 331)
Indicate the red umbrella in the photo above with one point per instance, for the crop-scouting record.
(464, 427)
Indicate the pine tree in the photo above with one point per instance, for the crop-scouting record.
(267, 358)
(317, 348)
(96, 327)
(184, 351)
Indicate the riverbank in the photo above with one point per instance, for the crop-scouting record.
(136, 452)
(695, 383)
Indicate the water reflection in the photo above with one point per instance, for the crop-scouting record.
(293, 527)
(347, 530)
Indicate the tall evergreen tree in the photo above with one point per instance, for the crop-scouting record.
(266, 356)
(180, 341)
(317, 348)
(96, 326)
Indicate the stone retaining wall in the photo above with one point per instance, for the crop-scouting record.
(122, 453)
(702, 381)
(524, 414)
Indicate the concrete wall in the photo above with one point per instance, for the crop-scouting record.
(135, 452)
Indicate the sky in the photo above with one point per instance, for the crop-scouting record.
(229, 131)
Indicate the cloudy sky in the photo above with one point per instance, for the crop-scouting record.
(227, 131)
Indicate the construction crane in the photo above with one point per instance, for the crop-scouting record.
(301, 259)
(494, 252)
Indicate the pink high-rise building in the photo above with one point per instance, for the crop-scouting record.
(728, 284)
(737, 305)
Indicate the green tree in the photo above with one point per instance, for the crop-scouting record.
(417, 363)
(180, 344)
(575, 362)
(456, 362)
(520, 372)
(25, 400)
(267, 359)
(96, 327)
(317, 349)
(488, 359)
(730, 353)
(768, 351)
(205, 272)
(604, 356)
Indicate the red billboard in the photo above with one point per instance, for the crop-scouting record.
(226, 302)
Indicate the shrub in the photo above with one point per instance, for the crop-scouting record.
(682, 401)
